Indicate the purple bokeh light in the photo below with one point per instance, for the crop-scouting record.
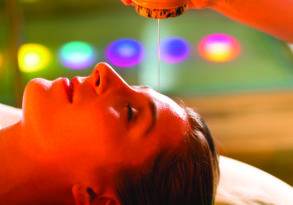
(175, 50)
(125, 53)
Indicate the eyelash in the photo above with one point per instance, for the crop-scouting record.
(130, 113)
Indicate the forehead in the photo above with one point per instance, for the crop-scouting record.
(172, 119)
(163, 101)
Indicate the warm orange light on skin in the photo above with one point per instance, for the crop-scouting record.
(83, 133)
(93, 129)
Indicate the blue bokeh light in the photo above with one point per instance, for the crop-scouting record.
(125, 53)
(174, 50)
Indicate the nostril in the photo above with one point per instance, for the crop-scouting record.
(98, 82)
(97, 78)
(92, 194)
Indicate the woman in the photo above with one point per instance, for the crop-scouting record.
(97, 140)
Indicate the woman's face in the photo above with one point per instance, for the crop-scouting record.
(99, 120)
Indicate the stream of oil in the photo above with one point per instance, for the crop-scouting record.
(158, 55)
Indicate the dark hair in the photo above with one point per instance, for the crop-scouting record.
(187, 175)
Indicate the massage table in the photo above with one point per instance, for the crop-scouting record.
(240, 183)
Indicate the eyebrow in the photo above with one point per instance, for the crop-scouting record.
(153, 109)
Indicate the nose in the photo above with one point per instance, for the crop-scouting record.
(105, 78)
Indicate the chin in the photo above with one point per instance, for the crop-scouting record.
(35, 89)
(34, 96)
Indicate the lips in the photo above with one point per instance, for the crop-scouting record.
(69, 88)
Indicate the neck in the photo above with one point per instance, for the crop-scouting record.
(15, 164)
(22, 179)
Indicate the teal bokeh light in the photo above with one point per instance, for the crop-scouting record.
(77, 55)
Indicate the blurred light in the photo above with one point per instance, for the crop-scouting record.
(174, 50)
(77, 55)
(33, 57)
(29, 1)
(219, 48)
(125, 53)
(291, 47)
(1, 60)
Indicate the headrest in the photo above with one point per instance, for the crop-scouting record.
(241, 183)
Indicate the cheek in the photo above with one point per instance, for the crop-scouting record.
(134, 151)
(36, 109)
(91, 130)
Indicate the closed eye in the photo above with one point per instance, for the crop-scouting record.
(131, 113)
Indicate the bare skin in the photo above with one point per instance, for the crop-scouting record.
(274, 17)
(70, 140)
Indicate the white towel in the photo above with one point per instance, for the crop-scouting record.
(8, 115)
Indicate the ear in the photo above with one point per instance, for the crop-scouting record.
(85, 195)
